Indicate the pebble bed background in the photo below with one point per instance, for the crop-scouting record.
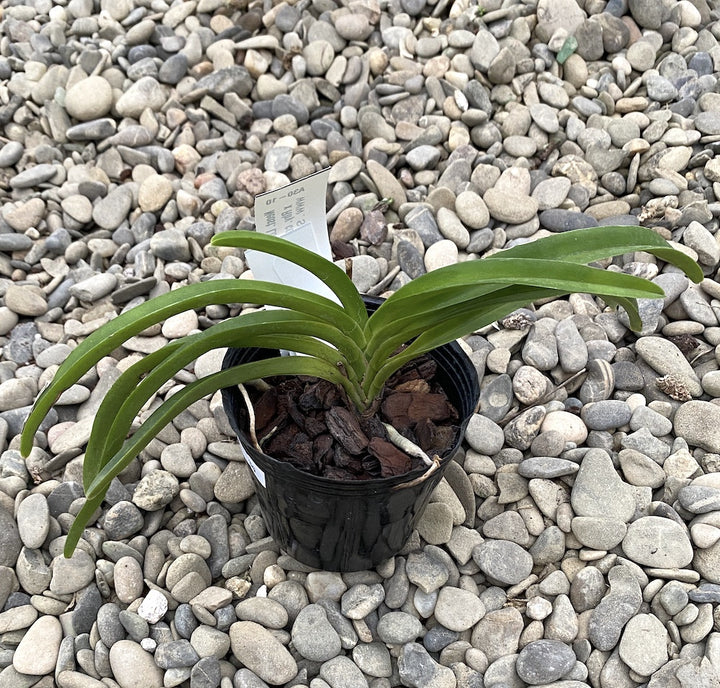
(577, 540)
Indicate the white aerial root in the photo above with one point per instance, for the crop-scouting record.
(251, 416)
(411, 449)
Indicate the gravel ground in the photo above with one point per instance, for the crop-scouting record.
(575, 542)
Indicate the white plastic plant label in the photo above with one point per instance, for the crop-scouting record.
(295, 212)
(259, 474)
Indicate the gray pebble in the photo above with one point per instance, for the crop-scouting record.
(546, 467)
(373, 659)
(503, 562)
(544, 661)
(598, 533)
(615, 609)
(599, 491)
(175, 654)
(207, 673)
(71, 575)
(396, 628)
(484, 436)
(128, 659)
(647, 655)
(657, 542)
(497, 634)
(695, 422)
(606, 415)
(341, 672)
(540, 349)
(587, 589)
(261, 652)
(457, 609)
(417, 668)
(11, 153)
(33, 176)
(262, 610)
(33, 518)
(110, 211)
(94, 288)
(559, 220)
(599, 383)
(122, 520)
(313, 636)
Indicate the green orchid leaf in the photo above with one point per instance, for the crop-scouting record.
(269, 329)
(118, 424)
(97, 489)
(465, 319)
(631, 308)
(426, 307)
(329, 273)
(104, 340)
(597, 243)
(580, 246)
(171, 407)
(81, 520)
(101, 439)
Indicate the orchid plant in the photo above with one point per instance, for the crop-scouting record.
(339, 341)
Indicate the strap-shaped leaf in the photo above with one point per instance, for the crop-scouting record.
(596, 243)
(579, 246)
(631, 308)
(164, 414)
(171, 407)
(104, 340)
(428, 307)
(271, 329)
(115, 422)
(494, 308)
(101, 439)
(466, 319)
(81, 520)
(329, 273)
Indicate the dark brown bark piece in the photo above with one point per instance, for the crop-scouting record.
(424, 369)
(315, 426)
(432, 406)
(444, 437)
(265, 408)
(323, 450)
(311, 398)
(392, 460)
(330, 394)
(276, 443)
(344, 459)
(395, 408)
(372, 426)
(372, 466)
(425, 433)
(345, 428)
(432, 438)
(420, 386)
(301, 447)
(295, 413)
(335, 473)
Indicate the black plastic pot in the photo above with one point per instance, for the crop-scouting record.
(341, 525)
